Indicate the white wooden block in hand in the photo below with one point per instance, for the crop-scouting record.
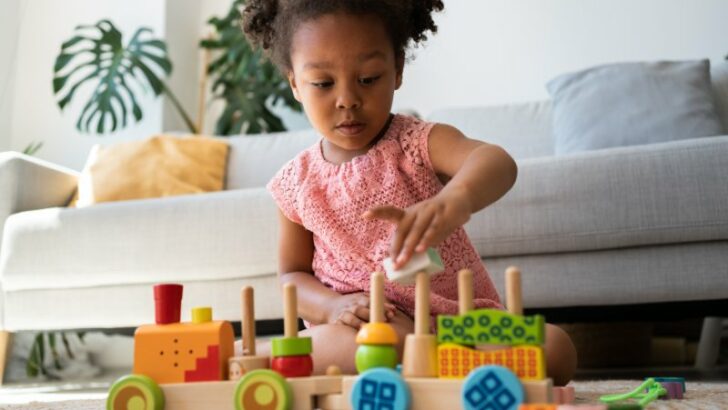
(428, 262)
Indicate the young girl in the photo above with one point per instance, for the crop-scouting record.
(376, 184)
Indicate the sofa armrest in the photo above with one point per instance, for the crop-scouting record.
(30, 183)
(671, 192)
(203, 237)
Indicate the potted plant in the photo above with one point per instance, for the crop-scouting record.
(246, 82)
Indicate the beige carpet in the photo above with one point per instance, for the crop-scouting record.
(700, 395)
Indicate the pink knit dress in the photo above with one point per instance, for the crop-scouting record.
(328, 200)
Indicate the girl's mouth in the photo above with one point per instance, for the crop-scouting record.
(350, 128)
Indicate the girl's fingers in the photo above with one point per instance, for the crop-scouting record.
(362, 312)
(429, 238)
(414, 236)
(403, 228)
(349, 319)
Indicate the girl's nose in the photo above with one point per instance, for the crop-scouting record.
(348, 99)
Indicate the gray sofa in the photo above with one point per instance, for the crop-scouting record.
(615, 227)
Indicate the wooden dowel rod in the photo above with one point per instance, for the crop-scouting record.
(290, 318)
(465, 291)
(376, 301)
(248, 320)
(514, 302)
(422, 304)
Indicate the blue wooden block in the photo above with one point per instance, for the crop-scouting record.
(492, 387)
(380, 389)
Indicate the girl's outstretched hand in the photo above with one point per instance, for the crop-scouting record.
(422, 225)
(353, 310)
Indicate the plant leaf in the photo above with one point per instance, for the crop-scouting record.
(113, 67)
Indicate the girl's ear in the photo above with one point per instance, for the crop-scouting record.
(294, 87)
(399, 65)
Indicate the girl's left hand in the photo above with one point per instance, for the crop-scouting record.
(422, 225)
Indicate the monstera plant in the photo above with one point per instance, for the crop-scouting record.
(244, 79)
(96, 55)
(247, 83)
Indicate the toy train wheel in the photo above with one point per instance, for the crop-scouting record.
(380, 388)
(492, 387)
(263, 389)
(135, 392)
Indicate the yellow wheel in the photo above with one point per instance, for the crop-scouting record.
(263, 389)
(135, 392)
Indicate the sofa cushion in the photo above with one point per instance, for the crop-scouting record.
(524, 130)
(154, 167)
(633, 103)
(619, 197)
(719, 78)
(254, 159)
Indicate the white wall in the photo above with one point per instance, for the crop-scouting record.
(9, 12)
(44, 25)
(486, 52)
(499, 51)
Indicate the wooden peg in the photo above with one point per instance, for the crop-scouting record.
(248, 320)
(420, 349)
(422, 304)
(377, 297)
(465, 291)
(514, 302)
(290, 311)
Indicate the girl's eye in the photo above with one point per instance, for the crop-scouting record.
(368, 80)
(323, 84)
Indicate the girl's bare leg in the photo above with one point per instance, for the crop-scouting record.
(560, 355)
(335, 344)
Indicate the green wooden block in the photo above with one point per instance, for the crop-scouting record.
(291, 346)
(490, 326)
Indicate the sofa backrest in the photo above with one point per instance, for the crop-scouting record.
(254, 159)
(524, 130)
(719, 78)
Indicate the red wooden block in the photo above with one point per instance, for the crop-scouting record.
(207, 368)
(293, 366)
(167, 303)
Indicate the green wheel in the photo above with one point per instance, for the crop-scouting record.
(263, 389)
(135, 392)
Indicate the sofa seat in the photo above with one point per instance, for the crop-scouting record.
(232, 234)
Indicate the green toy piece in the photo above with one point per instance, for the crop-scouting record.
(490, 326)
(291, 346)
(371, 356)
(135, 391)
(653, 388)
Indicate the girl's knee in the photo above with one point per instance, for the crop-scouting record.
(561, 357)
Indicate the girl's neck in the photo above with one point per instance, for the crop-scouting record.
(338, 156)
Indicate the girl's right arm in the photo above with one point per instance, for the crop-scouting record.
(316, 303)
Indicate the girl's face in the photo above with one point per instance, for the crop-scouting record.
(344, 72)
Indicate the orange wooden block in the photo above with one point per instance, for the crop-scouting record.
(537, 407)
(455, 361)
(183, 352)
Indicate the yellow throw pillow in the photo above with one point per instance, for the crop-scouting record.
(159, 166)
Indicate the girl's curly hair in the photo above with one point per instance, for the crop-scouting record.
(270, 24)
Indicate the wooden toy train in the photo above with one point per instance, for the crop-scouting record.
(179, 366)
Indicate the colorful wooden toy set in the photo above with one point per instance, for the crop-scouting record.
(180, 366)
